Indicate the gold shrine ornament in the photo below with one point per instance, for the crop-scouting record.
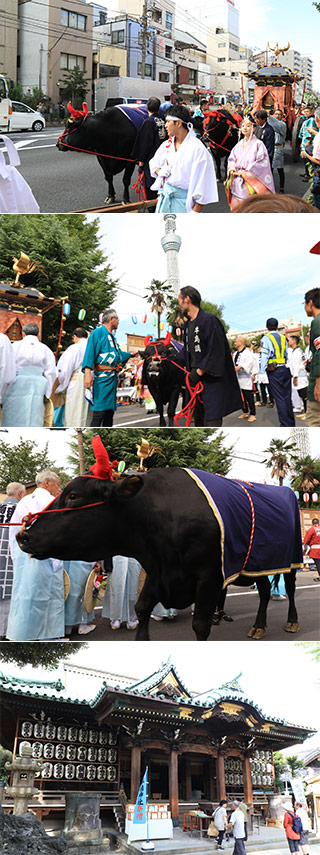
(23, 265)
(146, 450)
(278, 50)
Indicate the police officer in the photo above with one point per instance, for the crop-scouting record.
(273, 359)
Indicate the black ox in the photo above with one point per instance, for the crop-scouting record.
(221, 129)
(164, 521)
(163, 378)
(110, 135)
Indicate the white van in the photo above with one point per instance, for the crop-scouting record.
(5, 105)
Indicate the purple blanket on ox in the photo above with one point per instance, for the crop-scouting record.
(137, 113)
(259, 525)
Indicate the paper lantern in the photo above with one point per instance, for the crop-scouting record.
(178, 331)
(144, 319)
(296, 493)
(81, 314)
(66, 309)
(100, 317)
(305, 497)
(161, 325)
(134, 319)
(154, 322)
(314, 497)
(121, 467)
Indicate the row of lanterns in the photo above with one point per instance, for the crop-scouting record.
(82, 313)
(306, 496)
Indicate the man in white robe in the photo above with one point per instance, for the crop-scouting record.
(245, 368)
(184, 170)
(7, 365)
(24, 403)
(37, 603)
(299, 376)
(71, 381)
(14, 492)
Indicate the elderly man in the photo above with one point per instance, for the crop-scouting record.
(7, 365)
(71, 381)
(102, 362)
(37, 605)
(14, 492)
(244, 368)
(237, 822)
(24, 403)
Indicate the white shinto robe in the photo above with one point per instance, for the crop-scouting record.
(71, 380)
(191, 167)
(23, 405)
(7, 365)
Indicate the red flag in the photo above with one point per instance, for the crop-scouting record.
(316, 249)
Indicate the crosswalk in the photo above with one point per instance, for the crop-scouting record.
(34, 142)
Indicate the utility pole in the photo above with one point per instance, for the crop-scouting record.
(81, 451)
(144, 22)
(40, 67)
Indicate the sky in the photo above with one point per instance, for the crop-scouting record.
(257, 267)
(249, 451)
(204, 666)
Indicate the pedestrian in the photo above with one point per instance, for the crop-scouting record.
(302, 812)
(37, 603)
(183, 168)
(312, 542)
(102, 361)
(7, 366)
(199, 116)
(220, 821)
(14, 492)
(206, 355)
(292, 822)
(298, 373)
(62, 111)
(75, 611)
(244, 809)
(122, 592)
(306, 134)
(264, 131)
(312, 309)
(244, 368)
(263, 384)
(249, 170)
(237, 822)
(71, 382)
(273, 360)
(280, 132)
(150, 136)
(315, 158)
(24, 402)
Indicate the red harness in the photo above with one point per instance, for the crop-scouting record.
(194, 392)
(220, 118)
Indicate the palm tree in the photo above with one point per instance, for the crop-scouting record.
(281, 456)
(306, 470)
(159, 295)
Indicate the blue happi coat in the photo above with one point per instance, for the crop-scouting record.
(103, 349)
(259, 525)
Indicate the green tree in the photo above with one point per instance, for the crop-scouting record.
(198, 448)
(306, 476)
(281, 454)
(21, 462)
(279, 764)
(176, 318)
(5, 757)
(294, 763)
(67, 247)
(15, 91)
(75, 86)
(159, 295)
(46, 655)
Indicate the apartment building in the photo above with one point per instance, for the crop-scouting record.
(9, 38)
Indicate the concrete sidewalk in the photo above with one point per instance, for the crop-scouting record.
(271, 840)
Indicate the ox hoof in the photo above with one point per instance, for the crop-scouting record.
(125, 202)
(292, 627)
(256, 633)
(109, 200)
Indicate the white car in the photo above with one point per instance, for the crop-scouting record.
(25, 119)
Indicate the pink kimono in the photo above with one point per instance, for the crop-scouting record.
(252, 161)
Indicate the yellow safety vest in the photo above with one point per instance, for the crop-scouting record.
(279, 350)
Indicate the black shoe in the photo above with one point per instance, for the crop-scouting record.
(281, 190)
(227, 618)
(305, 179)
(270, 405)
(216, 620)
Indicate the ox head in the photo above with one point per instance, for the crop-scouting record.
(73, 126)
(77, 531)
(155, 353)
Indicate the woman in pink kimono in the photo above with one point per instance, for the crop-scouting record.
(249, 170)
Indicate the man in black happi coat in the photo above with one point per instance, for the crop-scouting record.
(207, 356)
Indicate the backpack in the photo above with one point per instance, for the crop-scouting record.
(296, 822)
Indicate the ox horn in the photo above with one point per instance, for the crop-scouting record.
(77, 114)
(147, 340)
(102, 467)
(167, 339)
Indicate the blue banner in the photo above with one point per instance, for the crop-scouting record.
(140, 811)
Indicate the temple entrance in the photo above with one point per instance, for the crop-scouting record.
(197, 777)
(14, 332)
(158, 775)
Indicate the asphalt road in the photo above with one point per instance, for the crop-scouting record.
(63, 182)
(242, 605)
(133, 415)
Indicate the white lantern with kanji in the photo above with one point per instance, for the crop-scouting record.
(305, 497)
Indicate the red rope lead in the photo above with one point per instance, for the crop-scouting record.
(139, 187)
(188, 410)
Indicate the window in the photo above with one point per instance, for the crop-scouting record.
(168, 21)
(233, 47)
(69, 61)
(108, 70)
(72, 20)
(163, 77)
(140, 40)
(117, 37)
(221, 59)
(168, 52)
(3, 93)
(147, 69)
(192, 76)
(157, 16)
(222, 44)
(221, 74)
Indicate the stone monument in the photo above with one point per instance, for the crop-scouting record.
(24, 768)
(82, 821)
(171, 244)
